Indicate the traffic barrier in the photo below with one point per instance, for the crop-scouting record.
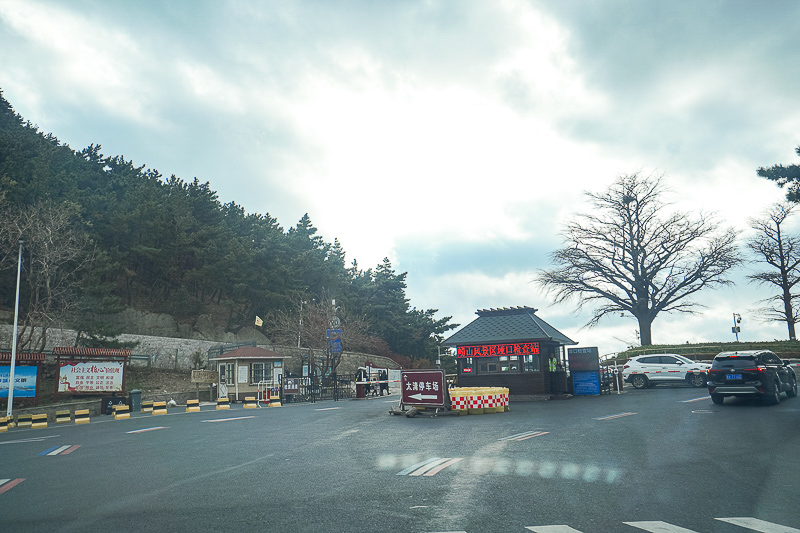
(39, 421)
(223, 403)
(82, 416)
(489, 401)
(274, 398)
(63, 417)
(250, 403)
(147, 407)
(504, 395)
(159, 408)
(121, 412)
(458, 401)
(4, 421)
(475, 401)
(192, 406)
(24, 421)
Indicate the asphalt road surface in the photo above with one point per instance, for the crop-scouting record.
(661, 460)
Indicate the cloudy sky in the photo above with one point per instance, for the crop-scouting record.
(454, 137)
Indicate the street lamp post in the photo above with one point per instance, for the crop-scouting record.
(14, 336)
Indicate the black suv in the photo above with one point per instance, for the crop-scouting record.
(755, 373)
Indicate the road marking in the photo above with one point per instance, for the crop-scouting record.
(526, 435)
(328, 409)
(146, 429)
(228, 419)
(655, 526)
(441, 467)
(7, 484)
(32, 439)
(700, 399)
(612, 417)
(430, 467)
(60, 450)
(758, 525)
(551, 529)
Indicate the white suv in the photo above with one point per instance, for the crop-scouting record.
(648, 370)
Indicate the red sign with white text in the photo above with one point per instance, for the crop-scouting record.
(495, 350)
(424, 388)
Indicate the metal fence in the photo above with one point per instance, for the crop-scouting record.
(312, 389)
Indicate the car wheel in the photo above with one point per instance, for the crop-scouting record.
(773, 397)
(717, 398)
(697, 380)
(639, 382)
(792, 392)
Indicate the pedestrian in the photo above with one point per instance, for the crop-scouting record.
(384, 382)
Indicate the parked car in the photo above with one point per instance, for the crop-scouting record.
(649, 370)
(753, 373)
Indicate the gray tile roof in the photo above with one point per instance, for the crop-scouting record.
(514, 324)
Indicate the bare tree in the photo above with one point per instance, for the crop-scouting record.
(307, 326)
(782, 253)
(54, 252)
(636, 258)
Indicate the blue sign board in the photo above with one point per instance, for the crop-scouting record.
(586, 383)
(24, 381)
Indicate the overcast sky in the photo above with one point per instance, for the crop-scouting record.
(454, 137)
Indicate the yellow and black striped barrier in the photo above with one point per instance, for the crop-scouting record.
(159, 408)
(147, 407)
(250, 402)
(82, 416)
(39, 421)
(223, 403)
(63, 417)
(192, 406)
(121, 412)
(24, 421)
(4, 422)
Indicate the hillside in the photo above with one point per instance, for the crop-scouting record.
(707, 351)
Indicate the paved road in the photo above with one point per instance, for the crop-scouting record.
(652, 460)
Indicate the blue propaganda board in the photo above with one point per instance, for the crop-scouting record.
(24, 381)
(584, 364)
(586, 383)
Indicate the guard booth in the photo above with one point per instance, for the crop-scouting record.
(514, 349)
(245, 371)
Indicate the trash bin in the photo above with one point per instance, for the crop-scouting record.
(107, 404)
(360, 391)
(135, 400)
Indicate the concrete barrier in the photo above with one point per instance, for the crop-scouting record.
(159, 408)
(82, 416)
(192, 406)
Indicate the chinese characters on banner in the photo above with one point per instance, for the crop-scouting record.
(423, 387)
(494, 350)
(24, 381)
(90, 377)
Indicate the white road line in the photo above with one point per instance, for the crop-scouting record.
(146, 429)
(442, 466)
(612, 417)
(659, 527)
(421, 470)
(700, 399)
(551, 529)
(228, 419)
(59, 450)
(758, 525)
(412, 468)
(32, 439)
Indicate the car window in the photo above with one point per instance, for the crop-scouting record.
(770, 358)
(652, 360)
(669, 360)
(734, 362)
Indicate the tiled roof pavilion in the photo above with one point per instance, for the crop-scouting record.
(510, 324)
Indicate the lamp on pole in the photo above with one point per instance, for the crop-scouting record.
(14, 336)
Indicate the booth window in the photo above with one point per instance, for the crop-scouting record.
(499, 365)
(226, 373)
(259, 372)
(531, 363)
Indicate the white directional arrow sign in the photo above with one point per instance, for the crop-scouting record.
(420, 396)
